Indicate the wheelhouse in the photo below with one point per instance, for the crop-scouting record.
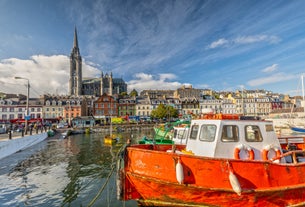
(231, 138)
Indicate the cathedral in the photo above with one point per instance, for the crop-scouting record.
(92, 86)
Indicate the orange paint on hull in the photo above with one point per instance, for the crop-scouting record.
(149, 176)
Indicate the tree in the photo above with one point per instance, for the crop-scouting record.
(163, 111)
(133, 93)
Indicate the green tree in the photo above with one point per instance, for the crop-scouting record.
(133, 93)
(163, 111)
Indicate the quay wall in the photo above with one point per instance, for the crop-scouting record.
(10, 146)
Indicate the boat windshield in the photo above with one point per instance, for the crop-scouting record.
(253, 133)
(229, 133)
(194, 131)
(207, 132)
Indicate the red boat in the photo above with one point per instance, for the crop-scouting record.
(226, 161)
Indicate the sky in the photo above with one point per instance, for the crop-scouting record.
(223, 45)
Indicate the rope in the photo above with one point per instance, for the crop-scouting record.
(108, 178)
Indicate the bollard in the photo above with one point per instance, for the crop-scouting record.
(10, 134)
(22, 132)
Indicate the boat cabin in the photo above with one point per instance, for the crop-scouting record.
(181, 134)
(230, 137)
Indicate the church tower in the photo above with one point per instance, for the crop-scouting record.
(75, 82)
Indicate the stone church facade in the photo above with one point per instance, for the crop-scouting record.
(91, 86)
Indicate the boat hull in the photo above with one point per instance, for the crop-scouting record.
(150, 177)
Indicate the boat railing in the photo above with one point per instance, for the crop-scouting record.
(297, 156)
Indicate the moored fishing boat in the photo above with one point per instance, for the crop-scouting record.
(146, 140)
(163, 132)
(227, 161)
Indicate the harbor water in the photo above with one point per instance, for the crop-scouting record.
(76, 171)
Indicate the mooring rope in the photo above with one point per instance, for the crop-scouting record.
(113, 166)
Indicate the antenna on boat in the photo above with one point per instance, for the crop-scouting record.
(302, 79)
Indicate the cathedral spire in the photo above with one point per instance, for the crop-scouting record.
(75, 81)
(75, 43)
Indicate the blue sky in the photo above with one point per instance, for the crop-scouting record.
(218, 44)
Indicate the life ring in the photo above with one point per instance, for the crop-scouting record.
(267, 149)
(246, 148)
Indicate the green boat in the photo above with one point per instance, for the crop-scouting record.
(164, 133)
(146, 140)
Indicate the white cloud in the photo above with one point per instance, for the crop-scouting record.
(278, 77)
(144, 81)
(219, 43)
(245, 40)
(270, 68)
(47, 74)
(50, 74)
(256, 38)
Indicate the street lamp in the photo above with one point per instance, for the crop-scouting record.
(27, 103)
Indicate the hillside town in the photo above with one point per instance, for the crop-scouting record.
(187, 100)
(97, 100)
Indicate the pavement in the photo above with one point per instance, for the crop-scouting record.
(15, 135)
(5, 136)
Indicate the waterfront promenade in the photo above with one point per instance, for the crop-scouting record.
(15, 135)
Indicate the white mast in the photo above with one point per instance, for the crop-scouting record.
(302, 78)
(303, 101)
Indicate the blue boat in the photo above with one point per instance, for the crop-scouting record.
(298, 129)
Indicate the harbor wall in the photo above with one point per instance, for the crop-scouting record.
(10, 146)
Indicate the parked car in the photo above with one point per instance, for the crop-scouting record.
(60, 126)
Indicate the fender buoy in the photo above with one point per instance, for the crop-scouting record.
(246, 148)
(266, 151)
(234, 183)
(179, 172)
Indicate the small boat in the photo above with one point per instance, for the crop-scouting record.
(110, 139)
(163, 132)
(298, 129)
(227, 161)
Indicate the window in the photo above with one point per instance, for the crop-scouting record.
(194, 131)
(269, 128)
(253, 134)
(207, 133)
(229, 133)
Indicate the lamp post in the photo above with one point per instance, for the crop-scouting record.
(27, 103)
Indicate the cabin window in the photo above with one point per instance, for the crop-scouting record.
(253, 134)
(269, 128)
(180, 134)
(229, 133)
(194, 131)
(207, 133)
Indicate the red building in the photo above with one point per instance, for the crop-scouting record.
(105, 106)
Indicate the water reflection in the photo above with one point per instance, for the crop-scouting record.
(62, 172)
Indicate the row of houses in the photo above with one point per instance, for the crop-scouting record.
(186, 100)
